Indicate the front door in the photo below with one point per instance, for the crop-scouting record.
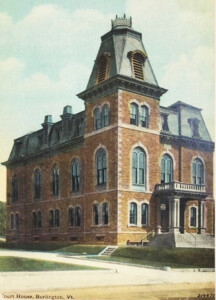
(164, 209)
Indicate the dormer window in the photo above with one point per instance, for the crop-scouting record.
(103, 69)
(137, 59)
(194, 125)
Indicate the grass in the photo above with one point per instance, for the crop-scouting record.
(176, 258)
(14, 264)
(55, 247)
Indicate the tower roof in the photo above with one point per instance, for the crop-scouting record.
(118, 44)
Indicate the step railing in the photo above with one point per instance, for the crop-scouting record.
(147, 237)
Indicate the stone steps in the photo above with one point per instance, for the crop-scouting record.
(108, 251)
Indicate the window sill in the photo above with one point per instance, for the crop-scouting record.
(100, 225)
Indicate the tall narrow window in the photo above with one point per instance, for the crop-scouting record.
(105, 214)
(166, 169)
(133, 213)
(103, 69)
(55, 181)
(134, 114)
(71, 216)
(138, 167)
(75, 175)
(144, 214)
(105, 116)
(77, 216)
(144, 116)
(39, 219)
(96, 214)
(34, 219)
(17, 221)
(57, 218)
(101, 165)
(37, 184)
(193, 220)
(12, 221)
(97, 118)
(198, 171)
(14, 188)
(51, 218)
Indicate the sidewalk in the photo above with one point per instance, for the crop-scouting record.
(117, 274)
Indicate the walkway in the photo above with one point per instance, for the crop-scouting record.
(115, 275)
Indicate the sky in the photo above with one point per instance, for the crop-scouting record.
(48, 47)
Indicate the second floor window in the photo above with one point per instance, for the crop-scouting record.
(37, 184)
(198, 171)
(55, 181)
(75, 175)
(101, 165)
(14, 187)
(166, 169)
(138, 167)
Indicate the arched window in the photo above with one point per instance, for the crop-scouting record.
(71, 216)
(137, 65)
(37, 184)
(105, 116)
(101, 164)
(96, 214)
(166, 169)
(139, 167)
(193, 217)
(55, 181)
(134, 114)
(12, 221)
(77, 216)
(17, 221)
(39, 219)
(34, 219)
(198, 171)
(133, 213)
(51, 218)
(14, 188)
(105, 213)
(144, 116)
(144, 214)
(57, 218)
(97, 118)
(75, 175)
(103, 69)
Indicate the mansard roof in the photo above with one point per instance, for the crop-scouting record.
(51, 136)
(179, 118)
(119, 43)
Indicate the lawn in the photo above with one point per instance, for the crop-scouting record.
(175, 258)
(15, 264)
(66, 248)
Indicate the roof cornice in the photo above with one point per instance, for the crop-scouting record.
(125, 83)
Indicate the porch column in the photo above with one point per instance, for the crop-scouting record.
(199, 216)
(158, 217)
(174, 213)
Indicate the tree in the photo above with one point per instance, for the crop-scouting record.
(2, 217)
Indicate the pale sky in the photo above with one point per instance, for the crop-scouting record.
(47, 50)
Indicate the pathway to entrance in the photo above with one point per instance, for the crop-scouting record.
(116, 274)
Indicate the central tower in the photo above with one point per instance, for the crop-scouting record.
(121, 138)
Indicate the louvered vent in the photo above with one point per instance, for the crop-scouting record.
(103, 67)
(137, 63)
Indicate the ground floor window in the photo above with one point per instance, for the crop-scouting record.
(54, 218)
(144, 214)
(133, 213)
(101, 213)
(193, 217)
(37, 219)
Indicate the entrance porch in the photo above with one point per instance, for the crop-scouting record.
(172, 200)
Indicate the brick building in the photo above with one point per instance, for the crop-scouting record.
(122, 169)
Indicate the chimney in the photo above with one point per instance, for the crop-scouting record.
(67, 114)
(47, 125)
